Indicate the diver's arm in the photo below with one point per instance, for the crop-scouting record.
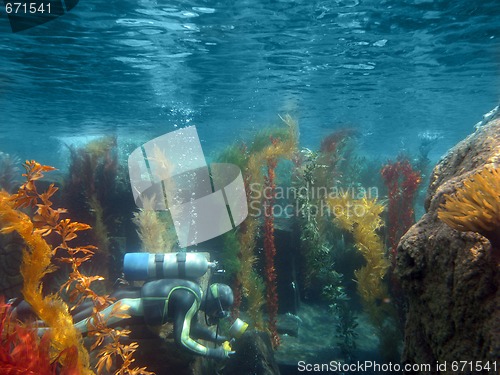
(85, 309)
(204, 333)
(182, 328)
(21, 310)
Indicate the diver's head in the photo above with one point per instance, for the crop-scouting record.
(218, 300)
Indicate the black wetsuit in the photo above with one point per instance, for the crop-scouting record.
(164, 300)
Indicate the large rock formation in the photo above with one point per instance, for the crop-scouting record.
(452, 278)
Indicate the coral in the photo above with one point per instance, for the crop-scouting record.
(402, 183)
(476, 205)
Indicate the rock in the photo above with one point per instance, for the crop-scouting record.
(289, 324)
(451, 278)
(254, 356)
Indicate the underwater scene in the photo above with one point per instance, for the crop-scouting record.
(259, 187)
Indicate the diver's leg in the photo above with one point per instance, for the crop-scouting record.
(134, 309)
(85, 309)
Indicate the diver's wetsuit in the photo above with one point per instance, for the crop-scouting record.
(162, 301)
(177, 301)
(158, 302)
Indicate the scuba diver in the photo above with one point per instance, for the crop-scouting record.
(158, 302)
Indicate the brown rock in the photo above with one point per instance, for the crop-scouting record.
(451, 278)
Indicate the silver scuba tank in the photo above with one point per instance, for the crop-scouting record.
(182, 265)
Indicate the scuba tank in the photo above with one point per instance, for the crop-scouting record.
(182, 265)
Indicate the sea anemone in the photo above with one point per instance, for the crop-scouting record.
(475, 206)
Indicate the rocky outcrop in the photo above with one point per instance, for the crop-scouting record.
(451, 278)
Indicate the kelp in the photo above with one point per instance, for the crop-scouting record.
(37, 262)
(268, 145)
(23, 352)
(91, 182)
(156, 231)
(270, 253)
(65, 340)
(402, 182)
(247, 278)
(362, 219)
(333, 157)
(155, 228)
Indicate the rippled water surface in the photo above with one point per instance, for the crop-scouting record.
(396, 69)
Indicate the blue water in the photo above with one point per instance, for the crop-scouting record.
(395, 69)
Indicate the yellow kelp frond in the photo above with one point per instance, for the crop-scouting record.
(155, 229)
(100, 230)
(269, 144)
(283, 146)
(287, 134)
(36, 264)
(370, 214)
(256, 300)
(234, 154)
(65, 341)
(251, 286)
(362, 218)
(339, 207)
(476, 205)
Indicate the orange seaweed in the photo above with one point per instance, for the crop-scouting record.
(23, 352)
(65, 343)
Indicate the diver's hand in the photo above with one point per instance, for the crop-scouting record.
(219, 353)
(221, 339)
